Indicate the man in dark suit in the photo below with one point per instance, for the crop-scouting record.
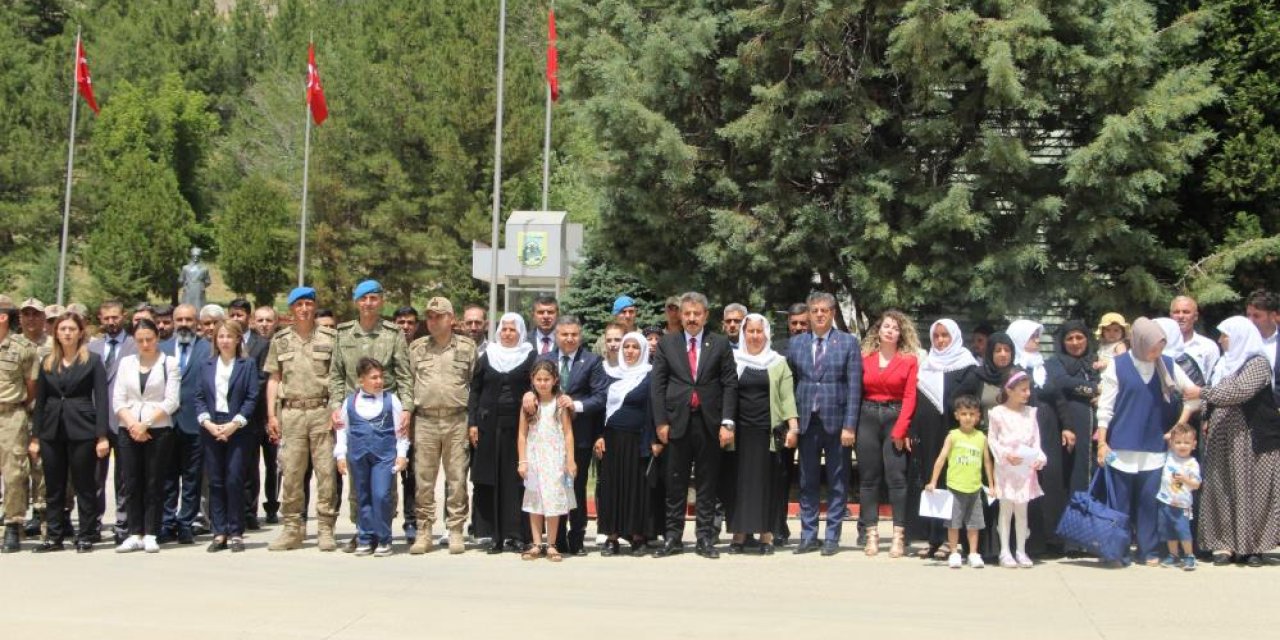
(694, 395)
(827, 365)
(583, 380)
(254, 346)
(546, 310)
(184, 479)
(111, 346)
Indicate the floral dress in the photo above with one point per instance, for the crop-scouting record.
(548, 489)
(1016, 433)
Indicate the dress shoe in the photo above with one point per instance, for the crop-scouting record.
(186, 536)
(84, 546)
(830, 548)
(273, 517)
(49, 546)
(32, 528)
(781, 541)
(1221, 559)
(707, 549)
(165, 537)
(515, 545)
(1254, 560)
(237, 545)
(610, 549)
(670, 548)
(411, 533)
(216, 546)
(638, 548)
(766, 549)
(862, 538)
(494, 549)
(806, 546)
(251, 523)
(736, 549)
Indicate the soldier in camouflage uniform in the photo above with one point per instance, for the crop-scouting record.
(32, 317)
(442, 365)
(371, 337)
(18, 368)
(299, 362)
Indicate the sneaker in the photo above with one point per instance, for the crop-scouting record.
(130, 544)
(1024, 560)
(954, 560)
(1189, 563)
(1169, 562)
(1007, 562)
(975, 561)
(363, 550)
(150, 545)
(383, 551)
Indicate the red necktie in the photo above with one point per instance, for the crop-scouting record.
(546, 344)
(693, 370)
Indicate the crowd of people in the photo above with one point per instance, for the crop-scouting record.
(208, 409)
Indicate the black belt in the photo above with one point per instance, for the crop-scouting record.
(891, 403)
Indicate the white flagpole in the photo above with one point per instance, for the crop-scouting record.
(546, 152)
(497, 174)
(71, 158)
(302, 225)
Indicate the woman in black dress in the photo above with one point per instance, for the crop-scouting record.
(70, 422)
(626, 449)
(766, 413)
(995, 367)
(1071, 391)
(948, 371)
(500, 380)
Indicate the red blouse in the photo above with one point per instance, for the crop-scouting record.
(895, 383)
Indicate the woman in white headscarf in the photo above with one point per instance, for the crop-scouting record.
(766, 414)
(948, 371)
(1142, 392)
(1043, 514)
(500, 380)
(626, 449)
(1240, 510)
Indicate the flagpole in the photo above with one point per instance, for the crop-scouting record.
(546, 152)
(71, 158)
(497, 173)
(302, 224)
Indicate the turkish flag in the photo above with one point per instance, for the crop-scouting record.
(315, 92)
(553, 59)
(84, 84)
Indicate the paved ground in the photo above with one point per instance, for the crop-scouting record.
(184, 592)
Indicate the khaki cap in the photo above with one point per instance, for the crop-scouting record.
(32, 303)
(54, 310)
(439, 304)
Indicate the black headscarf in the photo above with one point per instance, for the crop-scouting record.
(1075, 365)
(989, 372)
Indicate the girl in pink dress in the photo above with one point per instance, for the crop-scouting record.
(1014, 439)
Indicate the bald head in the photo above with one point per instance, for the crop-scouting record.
(1186, 313)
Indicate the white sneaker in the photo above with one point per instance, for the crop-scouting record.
(1024, 560)
(953, 560)
(130, 544)
(150, 545)
(383, 551)
(975, 561)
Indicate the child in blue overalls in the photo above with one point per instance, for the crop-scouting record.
(370, 452)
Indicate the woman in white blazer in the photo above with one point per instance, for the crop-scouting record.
(145, 398)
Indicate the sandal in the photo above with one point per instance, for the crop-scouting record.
(553, 554)
(532, 553)
(943, 551)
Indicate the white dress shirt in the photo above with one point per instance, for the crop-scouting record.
(1204, 351)
(368, 408)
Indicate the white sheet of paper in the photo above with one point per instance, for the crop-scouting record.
(991, 499)
(936, 504)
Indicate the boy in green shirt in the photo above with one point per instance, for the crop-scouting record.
(965, 454)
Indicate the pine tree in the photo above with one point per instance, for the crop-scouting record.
(255, 240)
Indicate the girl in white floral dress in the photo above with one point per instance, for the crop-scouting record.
(546, 461)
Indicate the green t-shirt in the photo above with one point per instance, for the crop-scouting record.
(964, 463)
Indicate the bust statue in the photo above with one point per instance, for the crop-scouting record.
(194, 279)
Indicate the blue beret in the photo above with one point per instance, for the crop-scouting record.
(622, 303)
(302, 293)
(365, 288)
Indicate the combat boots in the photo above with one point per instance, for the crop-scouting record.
(12, 538)
(422, 545)
(324, 538)
(290, 538)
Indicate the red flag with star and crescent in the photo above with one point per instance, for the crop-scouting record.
(84, 84)
(315, 92)
(553, 58)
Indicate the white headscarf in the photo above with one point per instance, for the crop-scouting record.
(767, 356)
(935, 366)
(504, 359)
(629, 376)
(1244, 341)
(1020, 331)
(1174, 346)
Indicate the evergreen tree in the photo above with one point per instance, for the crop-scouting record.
(255, 241)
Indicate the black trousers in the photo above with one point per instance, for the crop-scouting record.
(576, 523)
(145, 467)
(122, 495)
(408, 493)
(262, 473)
(77, 457)
(698, 448)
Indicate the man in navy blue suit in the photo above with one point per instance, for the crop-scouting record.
(583, 381)
(827, 366)
(185, 476)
